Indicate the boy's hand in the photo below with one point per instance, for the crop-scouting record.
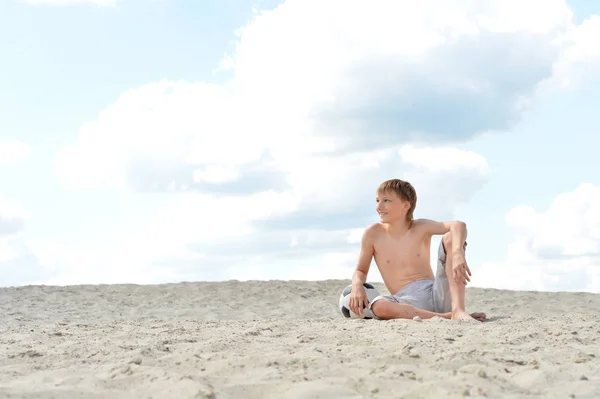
(460, 270)
(358, 299)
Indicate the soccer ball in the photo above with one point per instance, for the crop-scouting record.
(344, 303)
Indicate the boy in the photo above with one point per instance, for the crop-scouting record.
(400, 246)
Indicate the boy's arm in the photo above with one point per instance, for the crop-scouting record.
(458, 229)
(364, 259)
(460, 270)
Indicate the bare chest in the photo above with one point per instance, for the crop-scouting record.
(405, 253)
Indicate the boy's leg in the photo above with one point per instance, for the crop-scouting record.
(406, 304)
(449, 296)
(386, 310)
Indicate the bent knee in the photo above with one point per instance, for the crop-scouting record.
(447, 242)
(381, 308)
(376, 303)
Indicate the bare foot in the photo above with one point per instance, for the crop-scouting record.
(479, 316)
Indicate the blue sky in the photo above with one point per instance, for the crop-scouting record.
(111, 218)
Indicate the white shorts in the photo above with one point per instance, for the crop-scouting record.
(432, 295)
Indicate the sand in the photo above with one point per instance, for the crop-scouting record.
(276, 339)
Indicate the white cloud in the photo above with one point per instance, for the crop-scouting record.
(12, 217)
(280, 163)
(18, 262)
(307, 231)
(361, 78)
(581, 58)
(13, 152)
(101, 3)
(395, 70)
(15, 260)
(558, 249)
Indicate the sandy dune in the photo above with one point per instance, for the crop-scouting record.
(280, 339)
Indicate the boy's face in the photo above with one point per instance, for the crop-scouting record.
(391, 207)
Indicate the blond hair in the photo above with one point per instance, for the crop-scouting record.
(402, 189)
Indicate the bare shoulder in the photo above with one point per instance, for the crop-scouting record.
(432, 227)
(371, 233)
(373, 230)
(423, 223)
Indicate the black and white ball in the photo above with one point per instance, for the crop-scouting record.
(345, 302)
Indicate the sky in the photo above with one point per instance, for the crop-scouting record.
(162, 141)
